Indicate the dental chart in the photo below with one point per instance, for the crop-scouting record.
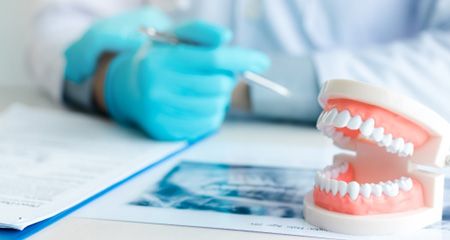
(222, 184)
(52, 160)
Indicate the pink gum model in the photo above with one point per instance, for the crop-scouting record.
(378, 189)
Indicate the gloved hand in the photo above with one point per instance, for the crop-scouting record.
(179, 92)
(116, 34)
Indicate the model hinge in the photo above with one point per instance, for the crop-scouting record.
(447, 160)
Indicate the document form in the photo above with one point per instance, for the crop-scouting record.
(51, 160)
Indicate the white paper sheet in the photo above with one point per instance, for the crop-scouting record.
(250, 177)
(51, 160)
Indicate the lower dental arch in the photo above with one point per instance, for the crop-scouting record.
(336, 190)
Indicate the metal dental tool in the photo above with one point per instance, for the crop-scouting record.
(248, 76)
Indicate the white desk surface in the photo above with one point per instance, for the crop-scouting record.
(83, 228)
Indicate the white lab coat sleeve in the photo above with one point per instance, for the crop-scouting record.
(418, 67)
(56, 24)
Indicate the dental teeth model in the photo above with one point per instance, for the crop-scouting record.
(378, 189)
(327, 182)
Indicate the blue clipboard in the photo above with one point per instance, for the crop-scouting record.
(7, 234)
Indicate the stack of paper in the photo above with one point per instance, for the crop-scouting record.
(53, 160)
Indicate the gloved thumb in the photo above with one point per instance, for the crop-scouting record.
(204, 34)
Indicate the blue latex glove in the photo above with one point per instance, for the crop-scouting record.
(116, 34)
(179, 92)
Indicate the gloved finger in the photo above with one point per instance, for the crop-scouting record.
(196, 84)
(169, 127)
(232, 59)
(122, 32)
(203, 33)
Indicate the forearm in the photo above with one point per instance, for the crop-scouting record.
(46, 50)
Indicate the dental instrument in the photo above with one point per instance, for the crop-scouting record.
(249, 76)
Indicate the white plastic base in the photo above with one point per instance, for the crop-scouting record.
(381, 224)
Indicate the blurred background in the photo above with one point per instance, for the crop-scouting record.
(15, 18)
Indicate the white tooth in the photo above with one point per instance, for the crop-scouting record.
(402, 154)
(328, 186)
(353, 190)
(317, 179)
(367, 127)
(395, 189)
(401, 143)
(323, 182)
(377, 134)
(319, 123)
(376, 189)
(386, 188)
(354, 123)
(335, 173)
(411, 150)
(408, 149)
(397, 144)
(405, 184)
(329, 131)
(328, 120)
(390, 190)
(322, 115)
(365, 190)
(334, 186)
(387, 140)
(344, 167)
(342, 188)
(342, 119)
